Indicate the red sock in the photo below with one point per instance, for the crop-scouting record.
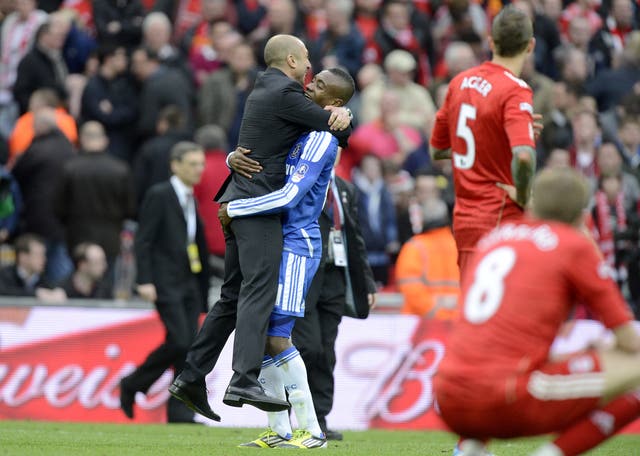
(600, 425)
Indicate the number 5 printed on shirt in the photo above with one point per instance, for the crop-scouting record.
(485, 294)
(465, 161)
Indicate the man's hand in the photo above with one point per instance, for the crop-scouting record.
(339, 119)
(147, 291)
(537, 126)
(224, 218)
(243, 165)
(512, 193)
(372, 298)
(51, 295)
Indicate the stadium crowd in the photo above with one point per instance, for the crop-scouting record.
(94, 94)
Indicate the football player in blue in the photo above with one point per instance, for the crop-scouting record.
(309, 169)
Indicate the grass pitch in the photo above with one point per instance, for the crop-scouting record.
(44, 439)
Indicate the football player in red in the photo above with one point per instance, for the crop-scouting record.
(497, 378)
(486, 126)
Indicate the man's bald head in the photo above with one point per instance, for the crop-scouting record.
(279, 47)
(93, 137)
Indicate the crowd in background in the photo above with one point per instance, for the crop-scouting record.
(94, 93)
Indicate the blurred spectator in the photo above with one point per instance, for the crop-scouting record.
(152, 163)
(212, 139)
(222, 97)
(542, 86)
(161, 87)
(545, 31)
(210, 58)
(377, 218)
(281, 18)
(610, 86)
(17, 33)
(573, 65)
(615, 230)
(44, 65)
(386, 137)
(156, 37)
(558, 131)
(581, 8)
(95, 194)
(397, 31)
(629, 142)
(369, 74)
(426, 271)
(250, 13)
(38, 172)
(23, 131)
(79, 44)
(586, 139)
(110, 98)
(458, 56)
(119, 22)
(366, 19)
(415, 107)
(558, 158)
(10, 204)
(199, 34)
(456, 19)
(25, 278)
(609, 162)
(89, 279)
(579, 33)
(313, 16)
(607, 44)
(341, 44)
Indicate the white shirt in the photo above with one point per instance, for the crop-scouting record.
(187, 201)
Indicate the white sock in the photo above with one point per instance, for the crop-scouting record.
(548, 450)
(294, 374)
(271, 381)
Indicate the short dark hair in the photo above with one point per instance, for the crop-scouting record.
(174, 116)
(106, 50)
(149, 53)
(22, 244)
(183, 148)
(79, 253)
(511, 31)
(348, 87)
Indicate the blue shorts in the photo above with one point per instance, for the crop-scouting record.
(281, 325)
(296, 275)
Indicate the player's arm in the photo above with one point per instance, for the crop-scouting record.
(627, 338)
(299, 182)
(440, 154)
(523, 168)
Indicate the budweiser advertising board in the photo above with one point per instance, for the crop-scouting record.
(65, 364)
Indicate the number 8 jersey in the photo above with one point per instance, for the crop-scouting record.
(487, 112)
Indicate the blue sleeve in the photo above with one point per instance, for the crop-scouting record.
(319, 147)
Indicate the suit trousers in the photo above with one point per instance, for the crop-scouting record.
(252, 263)
(315, 336)
(179, 314)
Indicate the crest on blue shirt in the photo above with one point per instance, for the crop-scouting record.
(296, 151)
(300, 172)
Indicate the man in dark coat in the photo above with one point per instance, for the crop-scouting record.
(96, 194)
(173, 273)
(38, 171)
(335, 291)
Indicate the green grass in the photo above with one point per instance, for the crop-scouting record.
(40, 438)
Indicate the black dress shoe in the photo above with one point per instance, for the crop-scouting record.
(332, 435)
(194, 396)
(254, 395)
(127, 398)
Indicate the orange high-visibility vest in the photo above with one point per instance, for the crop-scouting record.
(427, 275)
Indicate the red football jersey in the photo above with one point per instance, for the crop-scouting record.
(487, 111)
(523, 283)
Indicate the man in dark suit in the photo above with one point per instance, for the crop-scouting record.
(171, 255)
(336, 289)
(276, 114)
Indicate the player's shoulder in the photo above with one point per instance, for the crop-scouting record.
(321, 136)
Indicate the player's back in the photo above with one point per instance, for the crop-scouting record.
(488, 111)
(522, 287)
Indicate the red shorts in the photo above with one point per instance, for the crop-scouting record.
(539, 402)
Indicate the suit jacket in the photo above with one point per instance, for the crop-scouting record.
(161, 245)
(275, 115)
(359, 279)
